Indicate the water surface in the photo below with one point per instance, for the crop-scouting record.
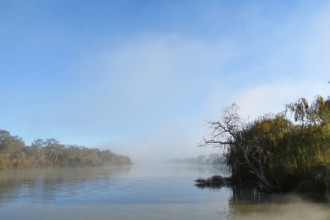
(120, 192)
(139, 192)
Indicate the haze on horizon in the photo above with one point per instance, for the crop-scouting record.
(143, 77)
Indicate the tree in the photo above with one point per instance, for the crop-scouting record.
(278, 153)
(9, 143)
(50, 152)
(242, 143)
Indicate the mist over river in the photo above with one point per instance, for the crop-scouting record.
(135, 192)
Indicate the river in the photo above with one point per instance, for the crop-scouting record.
(137, 192)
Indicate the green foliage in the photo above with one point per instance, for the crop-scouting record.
(50, 152)
(279, 153)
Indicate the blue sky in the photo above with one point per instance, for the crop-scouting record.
(143, 77)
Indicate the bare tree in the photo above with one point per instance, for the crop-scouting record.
(233, 134)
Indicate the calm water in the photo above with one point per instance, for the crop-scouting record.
(134, 192)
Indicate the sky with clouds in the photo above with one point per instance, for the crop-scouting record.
(143, 77)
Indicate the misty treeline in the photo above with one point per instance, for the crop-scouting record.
(212, 158)
(50, 152)
(287, 151)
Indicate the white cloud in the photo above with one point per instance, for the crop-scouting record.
(149, 72)
(272, 98)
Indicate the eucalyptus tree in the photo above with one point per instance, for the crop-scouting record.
(9, 143)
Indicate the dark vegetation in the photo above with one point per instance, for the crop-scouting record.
(284, 152)
(216, 181)
(47, 153)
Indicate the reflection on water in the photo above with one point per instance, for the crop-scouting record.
(136, 192)
(46, 184)
(280, 207)
(247, 203)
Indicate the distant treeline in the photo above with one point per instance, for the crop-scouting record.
(213, 158)
(50, 152)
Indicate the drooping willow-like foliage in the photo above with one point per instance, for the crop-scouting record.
(280, 152)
